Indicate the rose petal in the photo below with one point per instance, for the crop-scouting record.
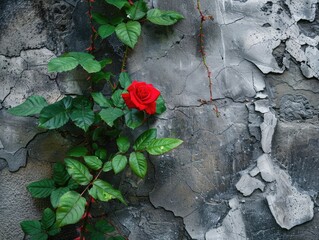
(151, 108)
(127, 100)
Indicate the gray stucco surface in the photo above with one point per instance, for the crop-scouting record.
(249, 174)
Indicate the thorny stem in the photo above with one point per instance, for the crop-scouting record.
(91, 48)
(124, 59)
(203, 18)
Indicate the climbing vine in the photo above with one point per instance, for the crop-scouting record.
(105, 120)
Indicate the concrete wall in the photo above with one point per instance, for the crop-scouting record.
(249, 174)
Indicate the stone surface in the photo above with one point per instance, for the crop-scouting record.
(267, 131)
(266, 168)
(247, 185)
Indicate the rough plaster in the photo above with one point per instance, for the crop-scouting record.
(248, 174)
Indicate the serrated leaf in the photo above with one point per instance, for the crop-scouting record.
(104, 191)
(119, 163)
(60, 175)
(55, 115)
(78, 171)
(107, 166)
(54, 230)
(160, 105)
(138, 164)
(96, 77)
(80, 56)
(134, 118)
(42, 188)
(123, 144)
(144, 139)
(117, 99)
(31, 227)
(137, 10)
(109, 115)
(56, 195)
(164, 18)
(72, 184)
(33, 105)
(128, 33)
(99, 98)
(70, 209)
(78, 151)
(62, 64)
(106, 30)
(48, 218)
(162, 145)
(125, 80)
(91, 66)
(104, 227)
(118, 3)
(82, 117)
(93, 162)
(116, 238)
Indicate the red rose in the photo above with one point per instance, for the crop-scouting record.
(141, 96)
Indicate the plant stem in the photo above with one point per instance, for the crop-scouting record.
(124, 59)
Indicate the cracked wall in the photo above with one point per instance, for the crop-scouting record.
(248, 174)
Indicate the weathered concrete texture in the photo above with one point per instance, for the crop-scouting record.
(16, 202)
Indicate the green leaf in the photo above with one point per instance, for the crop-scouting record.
(55, 115)
(123, 144)
(80, 56)
(56, 195)
(78, 171)
(118, 3)
(162, 145)
(160, 105)
(134, 118)
(105, 62)
(164, 18)
(144, 139)
(107, 166)
(137, 11)
(101, 153)
(48, 218)
(72, 184)
(33, 105)
(42, 188)
(96, 77)
(116, 20)
(99, 98)
(109, 115)
(39, 236)
(54, 230)
(62, 64)
(118, 101)
(119, 163)
(60, 175)
(128, 32)
(91, 66)
(78, 151)
(125, 80)
(31, 227)
(82, 115)
(104, 227)
(106, 30)
(104, 191)
(99, 18)
(138, 164)
(71, 208)
(93, 162)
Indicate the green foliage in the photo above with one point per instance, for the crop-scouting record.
(119, 162)
(104, 191)
(128, 32)
(138, 164)
(105, 119)
(164, 18)
(33, 105)
(70, 209)
(42, 188)
(163, 145)
(78, 171)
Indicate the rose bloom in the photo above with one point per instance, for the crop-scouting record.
(141, 96)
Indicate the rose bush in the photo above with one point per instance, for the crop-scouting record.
(141, 96)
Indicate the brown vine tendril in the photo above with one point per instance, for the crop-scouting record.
(91, 48)
(202, 51)
(124, 61)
